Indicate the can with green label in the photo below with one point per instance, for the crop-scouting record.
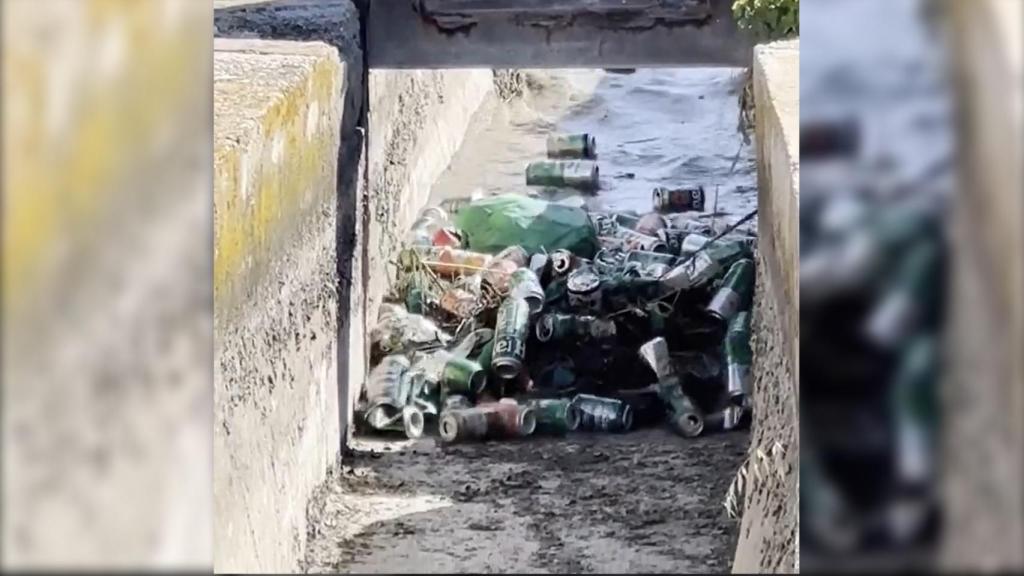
(463, 376)
(572, 146)
(599, 414)
(735, 293)
(580, 174)
(510, 334)
(555, 415)
(738, 357)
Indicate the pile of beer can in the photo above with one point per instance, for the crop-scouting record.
(652, 330)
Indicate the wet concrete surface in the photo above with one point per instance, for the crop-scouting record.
(646, 501)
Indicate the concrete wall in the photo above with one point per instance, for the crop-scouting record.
(983, 452)
(769, 540)
(277, 119)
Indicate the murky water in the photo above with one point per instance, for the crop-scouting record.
(654, 127)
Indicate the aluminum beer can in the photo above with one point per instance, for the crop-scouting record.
(524, 284)
(510, 334)
(599, 414)
(508, 419)
(739, 357)
(562, 261)
(555, 416)
(580, 174)
(572, 146)
(736, 291)
(463, 425)
(463, 376)
(678, 200)
(584, 288)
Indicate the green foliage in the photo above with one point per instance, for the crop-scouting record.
(768, 19)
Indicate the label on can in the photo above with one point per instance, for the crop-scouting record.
(726, 303)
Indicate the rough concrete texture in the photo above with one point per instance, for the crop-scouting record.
(106, 294)
(277, 117)
(768, 533)
(417, 121)
(643, 502)
(983, 452)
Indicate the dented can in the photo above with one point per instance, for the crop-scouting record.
(555, 416)
(599, 414)
(735, 293)
(463, 425)
(678, 200)
(463, 376)
(579, 174)
(739, 357)
(510, 334)
(572, 146)
(584, 288)
(524, 284)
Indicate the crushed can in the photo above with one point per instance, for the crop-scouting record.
(458, 302)
(584, 289)
(510, 334)
(738, 357)
(579, 174)
(599, 414)
(736, 291)
(524, 284)
(678, 200)
(555, 415)
(673, 238)
(447, 236)
(572, 146)
(463, 425)
(604, 224)
(463, 376)
(633, 240)
(499, 272)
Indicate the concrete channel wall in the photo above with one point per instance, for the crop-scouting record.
(768, 539)
(983, 451)
(310, 200)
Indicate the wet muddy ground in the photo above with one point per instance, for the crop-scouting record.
(647, 501)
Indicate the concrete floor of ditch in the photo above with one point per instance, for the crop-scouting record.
(646, 501)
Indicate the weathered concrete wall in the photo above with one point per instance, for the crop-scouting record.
(769, 541)
(277, 119)
(983, 452)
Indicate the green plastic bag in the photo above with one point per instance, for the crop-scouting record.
(493, 224)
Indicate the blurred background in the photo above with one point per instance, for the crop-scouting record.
(910, 285)
(107, 294)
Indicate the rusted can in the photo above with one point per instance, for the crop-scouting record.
(678, 200)
(599, 414)
(463, 376)
(510, 334)
(555, 416)
(458, 302)
(584, 289)
(515, 254)
(508, 419)
(463, 425)
(651, 224)
(562, 262)
(735, 293)
(524, 284)
(572, 146)
(579, 174)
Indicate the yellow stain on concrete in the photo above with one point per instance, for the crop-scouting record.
(88, 86)
(269, 168)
